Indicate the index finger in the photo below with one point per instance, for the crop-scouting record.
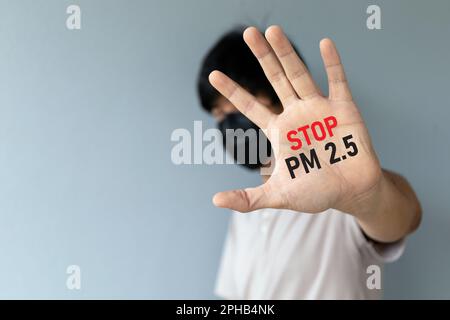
(241, 99)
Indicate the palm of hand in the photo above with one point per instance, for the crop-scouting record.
(345, 174)
(341, 176)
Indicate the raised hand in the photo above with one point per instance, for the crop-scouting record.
(340, 144)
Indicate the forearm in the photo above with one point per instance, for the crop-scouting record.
(389, 211)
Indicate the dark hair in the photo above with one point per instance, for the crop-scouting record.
(232, 56)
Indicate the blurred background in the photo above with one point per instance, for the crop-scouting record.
(86, 117)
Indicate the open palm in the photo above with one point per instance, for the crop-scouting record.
(346, 167)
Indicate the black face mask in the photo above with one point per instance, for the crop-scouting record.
(248, 141)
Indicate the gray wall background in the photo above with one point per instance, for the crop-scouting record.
(86, 118)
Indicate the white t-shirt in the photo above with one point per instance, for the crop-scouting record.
(282, 254)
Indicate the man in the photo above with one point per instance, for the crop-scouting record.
(311, 234)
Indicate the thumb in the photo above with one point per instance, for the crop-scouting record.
(245, 200)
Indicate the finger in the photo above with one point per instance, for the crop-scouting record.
(294, 67)
(270, 64)
(337, 81)
(241, 99)
(245, 200)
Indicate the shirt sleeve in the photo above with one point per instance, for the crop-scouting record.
(381, 252)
